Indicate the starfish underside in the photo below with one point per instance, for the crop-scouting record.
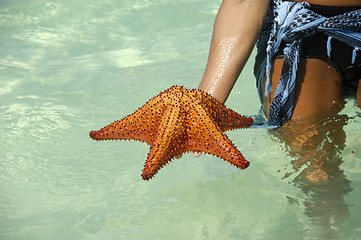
(178, 121)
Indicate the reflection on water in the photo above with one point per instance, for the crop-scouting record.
(316, 143)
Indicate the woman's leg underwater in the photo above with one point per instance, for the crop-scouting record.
(315, 139)
(319, 98)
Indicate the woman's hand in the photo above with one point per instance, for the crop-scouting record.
(196, 154)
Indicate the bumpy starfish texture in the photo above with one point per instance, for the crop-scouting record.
(178, 121)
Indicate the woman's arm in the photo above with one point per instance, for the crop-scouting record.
(236, 29)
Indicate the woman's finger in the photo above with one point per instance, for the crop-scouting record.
(197, 154)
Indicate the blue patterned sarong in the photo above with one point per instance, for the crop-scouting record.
(291, 22)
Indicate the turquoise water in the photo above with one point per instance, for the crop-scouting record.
(69, 67)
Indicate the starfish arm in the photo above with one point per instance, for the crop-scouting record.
(225, 117)
(142, 125)
(204, 135)
(220, 146)
(164, 147)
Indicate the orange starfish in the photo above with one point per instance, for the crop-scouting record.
(177, 121)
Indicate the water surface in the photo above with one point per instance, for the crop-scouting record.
(69, 67)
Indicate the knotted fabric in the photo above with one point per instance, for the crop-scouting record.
(292, 22)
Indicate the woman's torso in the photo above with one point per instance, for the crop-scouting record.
(334, 2)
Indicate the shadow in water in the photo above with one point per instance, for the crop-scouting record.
(316, 143)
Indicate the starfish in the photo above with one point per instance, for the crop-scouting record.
(178, 121)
